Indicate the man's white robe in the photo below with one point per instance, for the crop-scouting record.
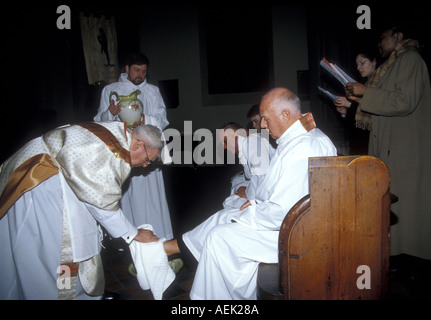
(230, 244)
(254, 153)
(144, 200)
(85, 191)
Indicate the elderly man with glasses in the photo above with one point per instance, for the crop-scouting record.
(54, 193)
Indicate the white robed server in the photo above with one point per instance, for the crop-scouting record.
(144, 200)
(231, 243)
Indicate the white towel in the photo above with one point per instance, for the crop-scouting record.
(151, 264)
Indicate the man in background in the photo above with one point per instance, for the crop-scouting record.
(397, 104)
(144, 199)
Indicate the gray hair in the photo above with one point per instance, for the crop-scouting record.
(295, 102)
(150, 134)
(290, 101)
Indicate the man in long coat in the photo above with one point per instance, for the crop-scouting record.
(399, 101)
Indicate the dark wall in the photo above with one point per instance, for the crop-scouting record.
(44, 79)
(37, 75)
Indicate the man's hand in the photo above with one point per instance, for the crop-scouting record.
(241, 192)
(355, 91)
(146, 236)
(114, 108)
(142, 122)
(245, 205)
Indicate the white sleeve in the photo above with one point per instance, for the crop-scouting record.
(115, 223)
(258, 154)
(289, 184)
(157, 116)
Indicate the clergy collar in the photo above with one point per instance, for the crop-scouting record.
(304, 124)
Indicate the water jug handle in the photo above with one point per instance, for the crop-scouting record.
(113, 93)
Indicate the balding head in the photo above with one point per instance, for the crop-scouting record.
(279, 109)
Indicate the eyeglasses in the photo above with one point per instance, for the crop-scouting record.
(148, 161)
(361, 63)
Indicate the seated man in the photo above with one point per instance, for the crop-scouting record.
(254, 116)
(53, 193)
(254, 153)
(230, 244)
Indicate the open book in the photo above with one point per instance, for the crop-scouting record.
(336, 72)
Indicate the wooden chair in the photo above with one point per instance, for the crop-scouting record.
(335, 241)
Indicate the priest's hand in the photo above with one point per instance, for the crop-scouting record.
(146, 236)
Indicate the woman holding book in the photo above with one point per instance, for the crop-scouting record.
(366, 65)
(366, 62)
